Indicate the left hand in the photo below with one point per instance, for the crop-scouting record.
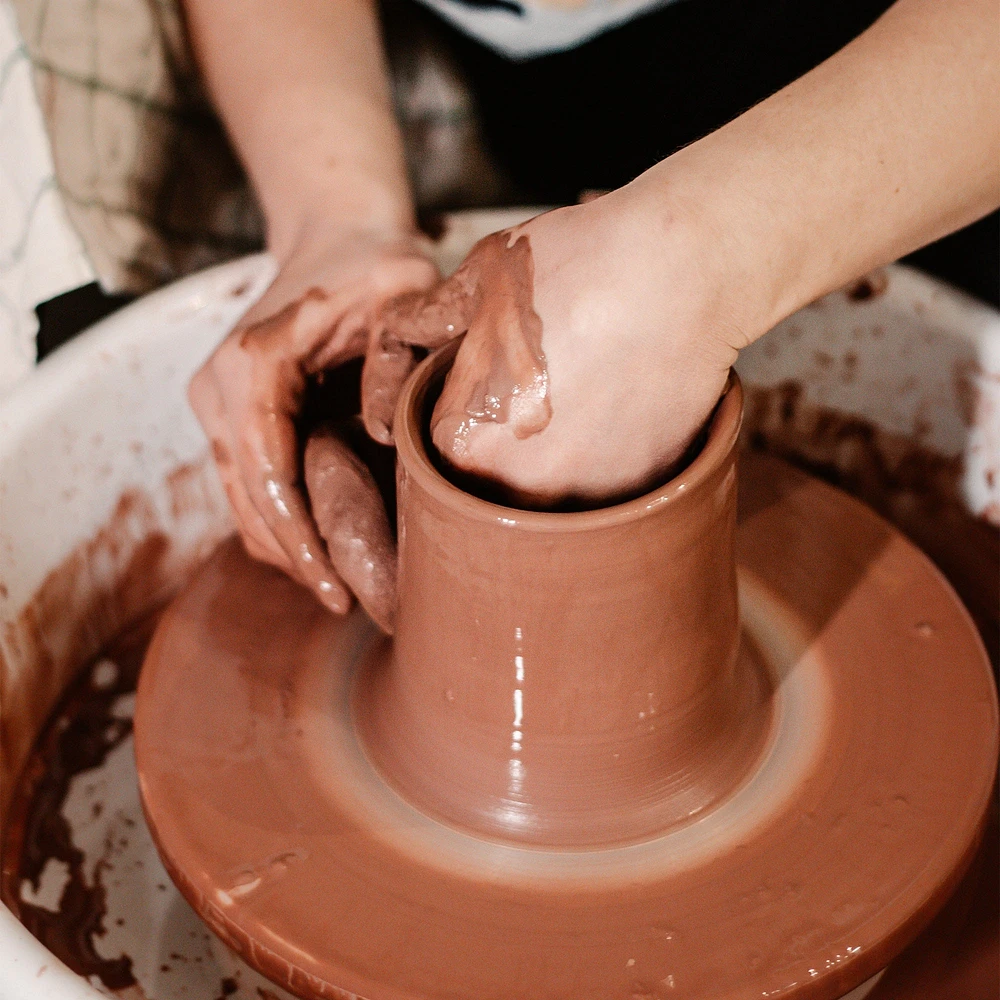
(317, 314)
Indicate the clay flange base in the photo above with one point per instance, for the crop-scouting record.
(833, 855)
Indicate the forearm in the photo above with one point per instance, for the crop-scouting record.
(303, 90)
(890, 144)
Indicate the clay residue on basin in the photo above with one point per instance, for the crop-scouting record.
(917, 490)
(111, 579)
(81, 733)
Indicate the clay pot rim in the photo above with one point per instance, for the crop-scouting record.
(723, 432)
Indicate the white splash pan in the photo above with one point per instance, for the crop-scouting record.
(106, 417)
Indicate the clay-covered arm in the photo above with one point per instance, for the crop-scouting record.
(303, 90)
(644, 296)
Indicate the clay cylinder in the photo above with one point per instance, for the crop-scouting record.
(565, 679)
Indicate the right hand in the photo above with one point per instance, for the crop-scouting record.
(317, 314)
(598, 338)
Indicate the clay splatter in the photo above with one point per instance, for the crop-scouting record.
(82, 731)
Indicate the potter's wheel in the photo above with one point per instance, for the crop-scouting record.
(848, 835)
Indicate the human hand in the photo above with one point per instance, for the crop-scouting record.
(598, 340)
(316, 315)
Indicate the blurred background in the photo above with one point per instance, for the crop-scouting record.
(116, 177)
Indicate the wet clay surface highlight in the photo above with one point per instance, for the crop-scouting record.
(804, 877)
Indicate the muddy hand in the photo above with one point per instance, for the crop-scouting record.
(594, 349)
(499, 374)
(316, 315)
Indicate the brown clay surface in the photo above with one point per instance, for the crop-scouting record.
(956, 958)
(850, 835)
(916, 489)
(586, 665)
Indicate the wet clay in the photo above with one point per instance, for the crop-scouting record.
(570, 734)
(804, 875)
(957, 957)
(491, 298)
(124, 570)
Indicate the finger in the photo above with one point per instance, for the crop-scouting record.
(271, 452)
(260, 381)
(462, 409)
(499, 374)
(262, 555)
(206, 400)
(493, 381)
(387, 365)
(309, 328)
(425, 319)
(430, 319)
(347, 340)
(258, 539)
(352, 520)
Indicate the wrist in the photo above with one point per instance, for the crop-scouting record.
(693, 226)
(735, 199)
(338, 204)
(332, 158)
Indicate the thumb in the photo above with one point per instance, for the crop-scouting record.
(413, 319)
(387, 364)
(432, 318)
